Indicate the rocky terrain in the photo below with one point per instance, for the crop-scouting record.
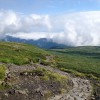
(26, 86)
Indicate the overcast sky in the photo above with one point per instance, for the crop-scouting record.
(70, 22)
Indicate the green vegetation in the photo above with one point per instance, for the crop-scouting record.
(79, 60)
(46, 75)
(45, 63)
(2, 76)
(19, 54)
(2, 72)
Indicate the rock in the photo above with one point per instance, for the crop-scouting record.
(24, 92)
(6, 94)
(75, 98)
(12, 91)
(42, 94)
(17, 87)
(6, 84)
(21, 74)
(92, 98)
(9, 75)
(31, 74)
(51, 85)
(21, 92)
(26, 73)
(37, 90)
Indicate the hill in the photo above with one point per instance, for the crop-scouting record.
(24, 74)
(28, 72)
(19, 54)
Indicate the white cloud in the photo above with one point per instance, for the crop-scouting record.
(77, 29)
(32, 35)
(11, 22)
(80, 29)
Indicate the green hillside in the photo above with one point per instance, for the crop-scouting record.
(29, 64)
(82, 59)
(25, 70)
(19, 54)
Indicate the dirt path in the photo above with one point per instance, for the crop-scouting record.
(81, 91)
(81, 87)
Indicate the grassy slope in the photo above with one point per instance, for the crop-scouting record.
(82, 59)
(19, 54)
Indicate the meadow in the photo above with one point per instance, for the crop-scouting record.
(79, 60)
(20, 54)
(82, 61)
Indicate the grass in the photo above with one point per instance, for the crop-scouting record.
(20, 54)
(45, 63)
(78, 60)
(2, 75)
(46, 75)
(2, 72)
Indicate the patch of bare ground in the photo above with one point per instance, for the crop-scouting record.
(25, 84)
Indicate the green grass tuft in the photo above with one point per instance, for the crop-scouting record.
(2, 72)
(46, 75)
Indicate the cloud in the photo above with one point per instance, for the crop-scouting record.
(33, 35)
(11, 22)
(83, 28)
(79, 29)
(75, 29)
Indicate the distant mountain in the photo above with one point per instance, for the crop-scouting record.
(42, 42)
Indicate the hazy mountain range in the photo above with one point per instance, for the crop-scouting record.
(42, 42)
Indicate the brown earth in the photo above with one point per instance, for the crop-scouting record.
(30, 87)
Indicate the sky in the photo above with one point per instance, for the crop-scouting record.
(49, 6)
(69, 22)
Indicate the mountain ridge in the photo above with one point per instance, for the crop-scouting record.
(44, 43)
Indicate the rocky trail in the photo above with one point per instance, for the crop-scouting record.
(81, 90)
